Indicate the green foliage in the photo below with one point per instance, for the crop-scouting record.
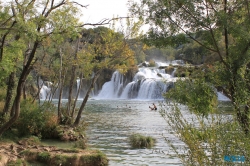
(32, 140)
(206, 140)
(166, 53)
(43, 157)
(104, 48)
(60, 159)
(220, 34)
(81, 143)
(95, 158)
(153, 38)
(199, 96)
(140, 141)
(223, 34)
(18, 162)
(36, 120)
(28, 29)
(193, 53)
(2, 95)
(26, 152)
(72, 150)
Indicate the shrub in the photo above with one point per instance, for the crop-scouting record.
(30, 141)
(140, 141)
(60, 159)
(35, 120)
(81, 144)
(17, 162)
(209, 140)
(2, 93)
(198, 95)
(44, 157)
(95, 158)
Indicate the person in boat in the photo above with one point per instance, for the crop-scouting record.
(153, 107)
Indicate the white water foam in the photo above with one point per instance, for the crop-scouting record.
(148, 83)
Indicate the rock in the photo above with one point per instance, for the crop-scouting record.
(158, 74)
(46, 149)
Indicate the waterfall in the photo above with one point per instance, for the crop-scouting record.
(222, 97)
(45, 91)
(148, 83)
(77, 84)
(113, 88)
(172, 75)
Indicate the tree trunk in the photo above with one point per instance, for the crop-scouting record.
(24, 92)
(61, 82)
(226, 31)
(77, 120)
(243, 119)
(59, 115)
(77, 94)
(72, 79)
(9, 95)
(37, 96)
(16, 105)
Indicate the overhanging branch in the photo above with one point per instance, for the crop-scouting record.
(104, 21)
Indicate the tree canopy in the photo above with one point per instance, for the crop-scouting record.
(226, 26)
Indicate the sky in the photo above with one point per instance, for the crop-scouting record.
(97, 10)
(100, 9)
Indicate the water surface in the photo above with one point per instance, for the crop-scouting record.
(111, 122)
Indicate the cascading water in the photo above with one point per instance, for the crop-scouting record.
(77, 84)
(45, 90)
(148, 83)
(111, 89)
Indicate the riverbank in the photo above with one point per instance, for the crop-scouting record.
(30, 151)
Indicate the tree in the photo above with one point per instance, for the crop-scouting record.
(104, 49)
(226, 25)
(31, 26)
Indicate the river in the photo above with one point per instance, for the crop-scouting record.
(111, 122)
(120, 110)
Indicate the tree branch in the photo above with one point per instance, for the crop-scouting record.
(104, 21)
(84, 6)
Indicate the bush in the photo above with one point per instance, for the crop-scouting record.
(81, 144)
(44, 157)
(2, 98)
(198, 95)
(2, 93)
(95, 158)
(140, 141)
(36, 120)
(210, 140)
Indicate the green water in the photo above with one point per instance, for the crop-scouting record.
(111, 122)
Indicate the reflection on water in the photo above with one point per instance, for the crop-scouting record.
(111, 122)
